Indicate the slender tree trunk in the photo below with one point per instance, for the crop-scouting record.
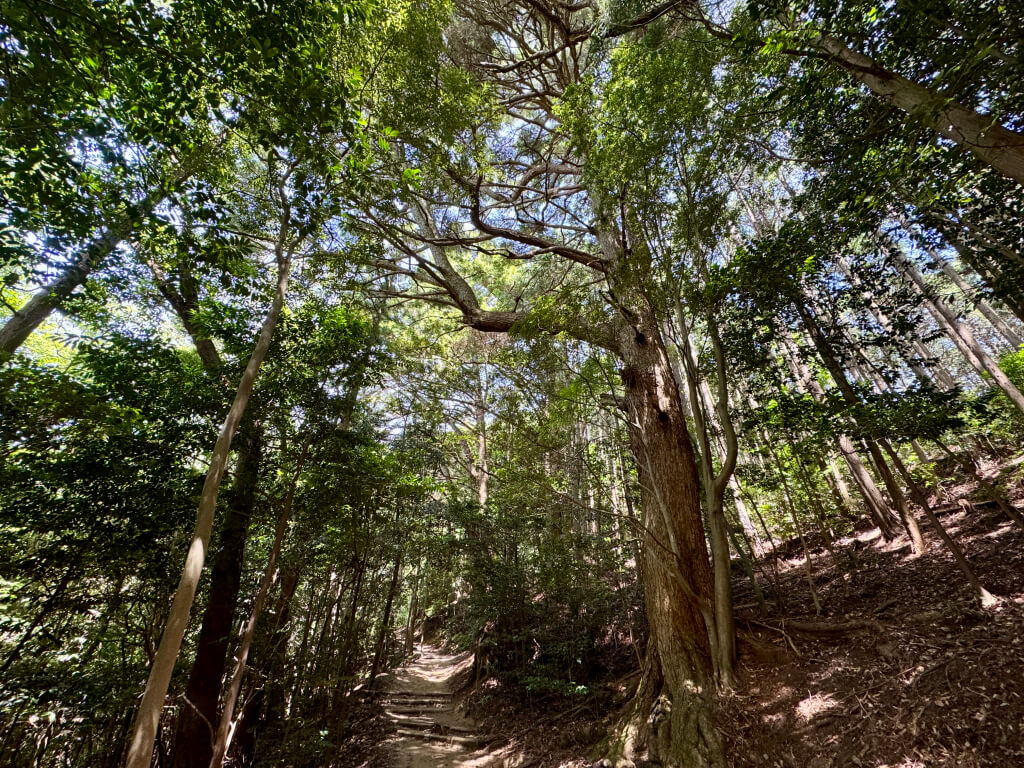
(225, 728)
(482, 470)
(981, 135)
(883, 319)
(976, 249)
(921, 497)
(750, 531)
(1003, 328)
(959, 333)
(385, 622)
(840, 493)
(48, 606)
(835, 368)
(878, 509)
(820, 517)
(791, 506)
(906, 516)
(140, 751)
(410, 624)
(936, 367)
(273, 665)
(748, 568)
(24, 321)
(714, 495)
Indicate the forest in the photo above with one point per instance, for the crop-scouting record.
(510, 383)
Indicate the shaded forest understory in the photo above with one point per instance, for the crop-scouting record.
(477, 383)
(901, 669)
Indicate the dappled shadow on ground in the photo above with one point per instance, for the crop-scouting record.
(429, 729)
(902, 669)
(922, 675)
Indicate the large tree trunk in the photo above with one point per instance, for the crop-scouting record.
(674, 567)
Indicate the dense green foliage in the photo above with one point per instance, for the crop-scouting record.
(482, 205)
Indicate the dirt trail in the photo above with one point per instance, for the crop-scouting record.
(430, 733)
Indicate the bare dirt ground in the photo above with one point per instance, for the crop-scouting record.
(429, 731)
(923, 676)
(916, 673)
(902, 669)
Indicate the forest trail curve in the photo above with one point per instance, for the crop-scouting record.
(419, 701)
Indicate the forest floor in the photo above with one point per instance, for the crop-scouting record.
(917, 675)
(901, 669)
(428, 731)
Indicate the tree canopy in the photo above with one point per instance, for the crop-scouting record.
(540, 329)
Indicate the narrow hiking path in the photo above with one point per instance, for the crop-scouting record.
(419, 701)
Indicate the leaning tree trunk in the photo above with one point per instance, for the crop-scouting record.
(193, 742)
(959, 333)
(877, 508)
(674, 567)
(140, 751)
(24, 321)
(981, 135)
(1003, 328)
(226, 727)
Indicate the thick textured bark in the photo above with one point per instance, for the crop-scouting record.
(981, 135)
(193, 741)
(674, 568)
(140, 751)
(674, 565)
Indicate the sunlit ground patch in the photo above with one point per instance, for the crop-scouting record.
(815, 705)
